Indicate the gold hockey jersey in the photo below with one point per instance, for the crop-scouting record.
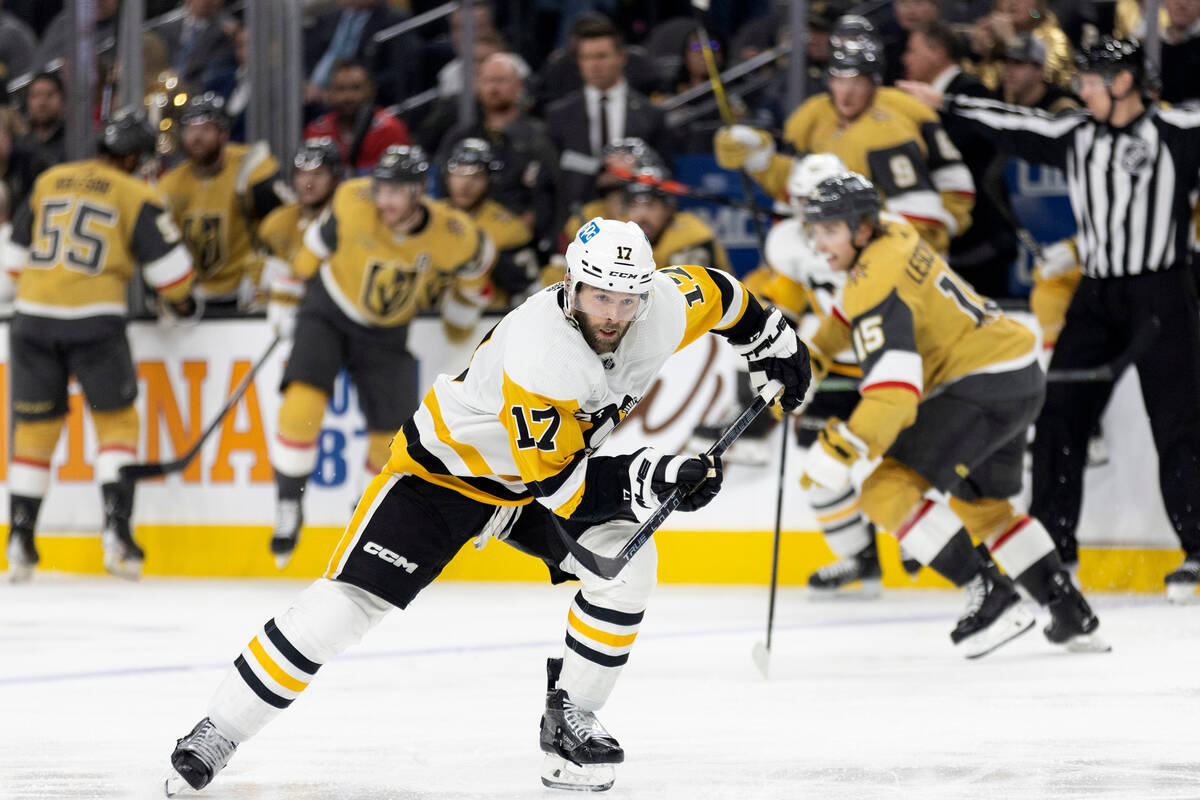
(916, 325)
(900, 145)
(281, 233)
(687, 239)
(77, 241)
(535, 402)
(383, 279)
(218, 214)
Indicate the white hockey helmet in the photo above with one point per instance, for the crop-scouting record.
(611, 255)
(806, 173)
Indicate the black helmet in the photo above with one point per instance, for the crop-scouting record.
(317, 152)
(647, 189)
(207, 107)
(857, 56)
(852, 26)
(850, 198)
(1109, 57)
(125, 133)
(473, 154)
(401, 163)
(643, 154)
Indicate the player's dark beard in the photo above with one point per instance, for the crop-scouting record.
(594, 341)
(207, 160)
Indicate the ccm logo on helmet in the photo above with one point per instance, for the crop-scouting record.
(625, 275)
(390, 556)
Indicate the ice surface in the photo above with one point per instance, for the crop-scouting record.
(865, 700)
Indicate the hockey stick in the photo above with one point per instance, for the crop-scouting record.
(132, 473)
(762, 651)
(609, 567)
(718, 88)
(1105, 373)
(684, 190)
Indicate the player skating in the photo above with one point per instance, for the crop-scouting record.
(950, 387)
(506, 450)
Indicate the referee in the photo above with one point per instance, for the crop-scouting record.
(1132, 171)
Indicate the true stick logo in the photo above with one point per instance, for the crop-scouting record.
(390, 556)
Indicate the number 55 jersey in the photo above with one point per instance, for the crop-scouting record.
(917, 327)
(536, 400)
(86, 227)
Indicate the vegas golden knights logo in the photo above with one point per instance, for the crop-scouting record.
(391, 285)
(202, 232)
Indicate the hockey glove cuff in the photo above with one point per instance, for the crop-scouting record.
(652, 476)
(1058, 259)
(831, 457)
(740, 146)
(284, 293)
(774, 353)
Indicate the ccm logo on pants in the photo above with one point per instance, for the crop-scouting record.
(390, 556)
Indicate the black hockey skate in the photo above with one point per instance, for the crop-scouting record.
(838, 579)
(1072, 622)
(289, 519)
(198, 757)
(122, 555)
(1181, 583)
(994, 615)
(580, 753)
(22, 555)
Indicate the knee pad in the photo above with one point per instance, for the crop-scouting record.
(117, 434)
(631, 589)
(986, 517)
(891, 493)
(295, 444)
(32, 448)
(378, 450)
(330, 616)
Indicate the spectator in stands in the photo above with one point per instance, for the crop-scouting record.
(992, 34)
(561, 75)
(56, 43)
(911, 15)
(347, 33)
(449, 77)
(16, 164)
(44, 103)
(524, 181)
(1181, 51)
(361, 129)
(695, 135)
(201, 50)
(584, 122)
(235, 87)
(444, 114)
(1024, 78)
(17, 46)
(984, 253)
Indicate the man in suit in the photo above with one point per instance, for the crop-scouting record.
(605, 110)
(200, 47)
(984, 253)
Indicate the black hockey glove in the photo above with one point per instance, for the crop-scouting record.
(652, 476)
(775, 353)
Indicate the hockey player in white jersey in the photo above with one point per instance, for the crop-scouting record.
(506, 450)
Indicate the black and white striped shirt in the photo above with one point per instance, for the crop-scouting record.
(1132, 189)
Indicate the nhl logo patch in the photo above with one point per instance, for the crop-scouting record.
(1136, 157)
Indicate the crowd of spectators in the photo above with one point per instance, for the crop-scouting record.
(555, 83)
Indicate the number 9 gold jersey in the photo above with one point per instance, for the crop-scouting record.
(84, 229)
(916, 326)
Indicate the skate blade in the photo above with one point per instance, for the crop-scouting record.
(1014, 622)
(123, 568)
(560, 773)
(174, 784)
(870, 589)
(1182, 593)
(1088, 643)
(762, 658)
(20, 573)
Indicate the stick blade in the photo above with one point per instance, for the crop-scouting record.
(762, 658)
(139, 472)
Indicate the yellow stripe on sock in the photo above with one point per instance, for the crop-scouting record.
(273, 669)
(597, 635)
(834, 516)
